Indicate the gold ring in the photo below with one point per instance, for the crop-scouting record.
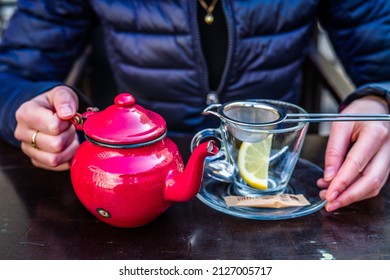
(34, 140)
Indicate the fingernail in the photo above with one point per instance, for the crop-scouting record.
(323, 194)
(332, 206)
(333, 196)
(321, 183)
(65, 110)
(329, 173)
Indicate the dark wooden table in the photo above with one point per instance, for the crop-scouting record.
(41, 218)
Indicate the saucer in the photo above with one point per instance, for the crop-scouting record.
(303, 181)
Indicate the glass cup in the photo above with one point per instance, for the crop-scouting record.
(250, 122)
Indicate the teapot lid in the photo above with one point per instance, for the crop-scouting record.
(124, 123)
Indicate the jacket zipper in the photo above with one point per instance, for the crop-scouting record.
(202, 68)
(229, 54)
(213, 96)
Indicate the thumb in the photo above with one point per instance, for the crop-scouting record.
(64, 100)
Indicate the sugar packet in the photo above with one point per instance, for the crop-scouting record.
(269, 201)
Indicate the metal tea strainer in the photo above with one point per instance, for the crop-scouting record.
(265, 115)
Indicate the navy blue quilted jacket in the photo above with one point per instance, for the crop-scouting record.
(155, 51)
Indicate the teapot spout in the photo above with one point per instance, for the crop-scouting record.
(183, 186)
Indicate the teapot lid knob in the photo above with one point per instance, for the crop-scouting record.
(124, 100)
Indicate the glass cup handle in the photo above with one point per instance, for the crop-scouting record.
(217, 166)
(204, 134)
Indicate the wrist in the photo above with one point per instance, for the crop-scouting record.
(379, 100)
(373, 93)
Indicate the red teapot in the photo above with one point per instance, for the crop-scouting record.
(128, 172)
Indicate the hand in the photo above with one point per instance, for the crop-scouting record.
(56, 141)
(357, 161)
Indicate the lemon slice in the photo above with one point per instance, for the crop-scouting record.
(253, 162)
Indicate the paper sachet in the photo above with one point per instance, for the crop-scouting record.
(270, 201)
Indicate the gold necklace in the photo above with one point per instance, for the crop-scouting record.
(208, 18)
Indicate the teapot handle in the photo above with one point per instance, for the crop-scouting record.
(78, 119)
